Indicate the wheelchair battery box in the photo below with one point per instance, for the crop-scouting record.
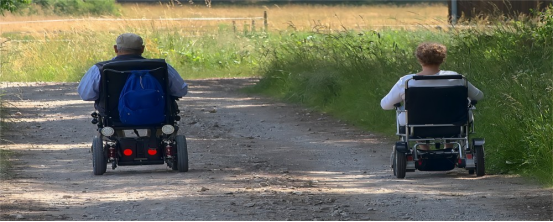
(436, 161)
(142, 149)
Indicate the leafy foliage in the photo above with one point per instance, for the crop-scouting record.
(12, 5)
(69, 7)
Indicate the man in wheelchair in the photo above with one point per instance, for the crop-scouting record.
(437, 109)
(136, 115)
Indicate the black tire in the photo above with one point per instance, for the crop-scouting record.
(99, 163)
(471, 172)
(480, 162)
(393, 160)
(400, 164)
(182, 154)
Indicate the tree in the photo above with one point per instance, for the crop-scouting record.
(12, 5)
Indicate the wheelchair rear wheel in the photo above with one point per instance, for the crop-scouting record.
(182, 154)
(99, 163)
(480, 162)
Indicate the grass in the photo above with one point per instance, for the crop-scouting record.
(281, 17)
(5, 164)
(4, 154)
(197, 49)
(67, 56)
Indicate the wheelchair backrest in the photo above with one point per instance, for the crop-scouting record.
(114, 76)
(440, 101)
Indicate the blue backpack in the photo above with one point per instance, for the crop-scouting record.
(142, 100)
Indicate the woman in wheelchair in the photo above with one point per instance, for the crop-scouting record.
(436, 110)
(430, 56)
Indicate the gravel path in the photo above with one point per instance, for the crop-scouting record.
(251, 158)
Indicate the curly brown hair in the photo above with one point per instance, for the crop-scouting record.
(430, 53)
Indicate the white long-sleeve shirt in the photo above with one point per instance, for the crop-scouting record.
(397, 93)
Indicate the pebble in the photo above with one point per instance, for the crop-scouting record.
(204, 189)
(19, 217)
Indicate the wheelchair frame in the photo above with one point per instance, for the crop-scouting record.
(406, 158)
(156, 148)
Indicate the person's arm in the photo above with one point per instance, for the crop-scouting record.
(177, 86)
(89, 86)
(474, 93)
(394, 96)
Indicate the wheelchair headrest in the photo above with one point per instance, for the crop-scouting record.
(135, 64)
(419, 77)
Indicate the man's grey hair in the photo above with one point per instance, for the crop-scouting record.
(127, 50)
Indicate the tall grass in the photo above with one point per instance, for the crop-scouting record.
(281, 17)
(347, 74)
(66, 57)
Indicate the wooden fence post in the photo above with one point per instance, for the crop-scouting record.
(253, 26)
(246, 28)
(265, 24)
(234, 26)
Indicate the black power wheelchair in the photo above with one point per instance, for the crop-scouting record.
(120, 144)
(440, 115)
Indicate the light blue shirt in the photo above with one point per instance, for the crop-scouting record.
(89, 87)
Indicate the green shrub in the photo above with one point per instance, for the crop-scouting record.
(70, 7)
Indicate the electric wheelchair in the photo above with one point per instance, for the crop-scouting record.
(121, 144)
(436, 113)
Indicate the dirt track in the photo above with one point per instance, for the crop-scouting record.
(251, 158)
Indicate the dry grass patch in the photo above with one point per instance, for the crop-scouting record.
(281, 17)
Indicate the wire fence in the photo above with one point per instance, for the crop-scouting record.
(194, 27)
(140, 19)
(200, 26)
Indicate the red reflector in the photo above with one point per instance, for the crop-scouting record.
(409, 158)
(469, 156)
(127, 152)
(459, 161)
(152, 152)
